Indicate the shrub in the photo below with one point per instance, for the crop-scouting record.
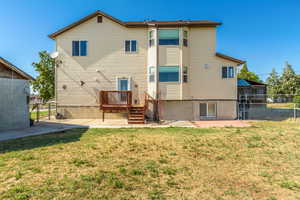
(296, 100)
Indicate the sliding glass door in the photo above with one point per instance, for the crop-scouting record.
(208, 110)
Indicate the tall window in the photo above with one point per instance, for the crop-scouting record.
(227, 72)
(79, 48)
(130, 46)
(168, 37)
(151, 74)
(185, 38)
(185, 74)
(151, 38)
(169, 73)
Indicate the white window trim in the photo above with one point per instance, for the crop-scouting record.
(123, 78)
(207, 116)
(87, 48)
(130, 51)
(149, 74)
(234, 72)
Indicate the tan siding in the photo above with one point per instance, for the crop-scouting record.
(100, 69)
(169, 55)
(169, 91)
(207, 83)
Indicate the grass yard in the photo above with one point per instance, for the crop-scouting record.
(43, 115)
(281, 105)
(258, 162)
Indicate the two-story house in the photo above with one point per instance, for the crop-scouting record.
(175, 62)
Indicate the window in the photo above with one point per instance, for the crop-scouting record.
(130, 46)
(227, 72)
(185, 38)
(151, 38)
(208, 110)
(151, 74)
(79, 48)
(169, 73)
(168, 37)
(99, 19)
(185, 74)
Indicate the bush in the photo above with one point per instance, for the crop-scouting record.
(296, 100)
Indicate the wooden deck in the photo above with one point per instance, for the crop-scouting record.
(121, 101)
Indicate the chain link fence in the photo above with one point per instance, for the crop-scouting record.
(264, 107)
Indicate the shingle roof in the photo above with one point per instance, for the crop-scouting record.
(15, 69)
(133, 24)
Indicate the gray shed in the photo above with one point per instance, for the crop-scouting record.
(14, 97)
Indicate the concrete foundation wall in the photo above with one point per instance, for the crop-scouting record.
(190, 110)
(14, 108)
(87, 112)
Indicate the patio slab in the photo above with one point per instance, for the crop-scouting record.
(53, 126)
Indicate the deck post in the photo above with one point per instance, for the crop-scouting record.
(102, 115)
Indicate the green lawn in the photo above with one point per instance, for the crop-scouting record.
(258, 162)
(43, 115)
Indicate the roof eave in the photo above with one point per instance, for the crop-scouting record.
(230, 58)
(16, 69)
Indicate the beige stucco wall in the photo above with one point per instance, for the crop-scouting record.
(106, 60)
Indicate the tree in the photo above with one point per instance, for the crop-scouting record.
(44, 82)
(246, 74)
(289, 81)
(273, 84)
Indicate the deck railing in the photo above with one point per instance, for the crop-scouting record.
(117, 98)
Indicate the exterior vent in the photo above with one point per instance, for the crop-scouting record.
(99, 19)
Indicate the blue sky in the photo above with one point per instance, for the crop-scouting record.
(266, 33)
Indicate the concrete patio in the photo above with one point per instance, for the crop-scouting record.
(53, 126)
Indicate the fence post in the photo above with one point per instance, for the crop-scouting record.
(244, 111)
(38, 112)
(295, 112)
(49, 110)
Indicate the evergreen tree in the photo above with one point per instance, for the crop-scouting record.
(273, 84)
(289, 81)
(246, 74)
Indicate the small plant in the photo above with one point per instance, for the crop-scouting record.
(156, 195)
(290, 185)
(18, 175)
(80, 162)
(169, 171)
(163, 161)
(271, 198)
(27, 157)
(122, 170)
(137, 172)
